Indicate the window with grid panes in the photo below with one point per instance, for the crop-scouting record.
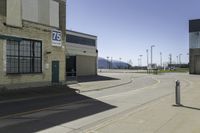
(23, 56)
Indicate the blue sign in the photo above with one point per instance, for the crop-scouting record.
(56, 38)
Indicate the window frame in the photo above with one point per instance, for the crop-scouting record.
(80, 40)
(31, 55)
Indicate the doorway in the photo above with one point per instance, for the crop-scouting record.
(55, 71)
(71, 68)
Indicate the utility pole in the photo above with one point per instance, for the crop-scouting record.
(147, 57)
(152, 54)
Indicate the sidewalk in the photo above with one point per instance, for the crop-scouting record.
(104, 81)
(161, 116)
(89, 83)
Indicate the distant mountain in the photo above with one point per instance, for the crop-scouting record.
(105, 64)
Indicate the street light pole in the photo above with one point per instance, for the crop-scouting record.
(152, 54)
(170, 59)
(180, 58)
(108, 62)
(141, 60)
(161, 59)
(120, 62)
(147, 57)
(111, 62)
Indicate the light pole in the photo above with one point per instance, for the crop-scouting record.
(111, 62)
(180, 58)
(152, 54)
(141, 60)
(120, 62)
(147, 57)
(161, 59)
(138, 62)
(170, 59)
(108, 62)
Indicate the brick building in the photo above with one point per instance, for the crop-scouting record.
(32, 42)
(81, 54)
(34, 49)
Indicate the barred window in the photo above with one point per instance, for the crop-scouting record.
(24, 56)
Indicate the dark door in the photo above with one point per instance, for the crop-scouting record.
(197, 64)
(71, 66)
(55, 71)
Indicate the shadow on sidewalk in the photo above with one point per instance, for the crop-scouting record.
(35, 115)
(35, 92)
(188, 107)
(94, 78)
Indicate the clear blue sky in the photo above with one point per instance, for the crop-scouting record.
(126, 28)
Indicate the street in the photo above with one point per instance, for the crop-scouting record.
(94, 109)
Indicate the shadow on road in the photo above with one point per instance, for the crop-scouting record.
(94, 78)
(48, 112)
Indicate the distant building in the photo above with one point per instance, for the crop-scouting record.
(33, 48)
(81, 54)
(194, 46)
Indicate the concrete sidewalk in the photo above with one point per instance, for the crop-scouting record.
(109, 80)
(160, 116)
(90, 83)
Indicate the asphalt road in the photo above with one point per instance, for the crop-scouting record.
(83, 112)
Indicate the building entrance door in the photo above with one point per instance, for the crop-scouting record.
(71, 68)
(55, 71)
